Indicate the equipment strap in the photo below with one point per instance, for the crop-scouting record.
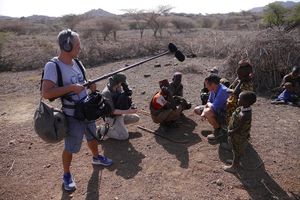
(102, 137)
(60, 82)
(68, 106)
(80, 65)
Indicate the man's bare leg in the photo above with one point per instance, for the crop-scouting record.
(66, 160)
(93, 146)
(211, 118)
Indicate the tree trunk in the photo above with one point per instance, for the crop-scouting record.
(155, 33)
(115, 35)
(105, 36)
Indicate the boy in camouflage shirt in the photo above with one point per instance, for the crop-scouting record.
(239, 128)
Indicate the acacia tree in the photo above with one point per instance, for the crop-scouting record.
(140, 22)
(274, 15)
(108, 26)
(155, 19)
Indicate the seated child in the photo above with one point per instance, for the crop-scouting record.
(176, 87)
(176, 90)
(291, 86)
(163, 107)
(239, 128)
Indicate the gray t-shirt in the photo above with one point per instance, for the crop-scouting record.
(70, 75)
(107, 94)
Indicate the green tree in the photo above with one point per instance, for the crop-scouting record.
(295, 17)
(70, 21)
(274, 15)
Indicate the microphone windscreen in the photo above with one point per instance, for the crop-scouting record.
(179, 56)
(172, 47)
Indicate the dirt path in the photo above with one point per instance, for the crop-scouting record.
(147, 166)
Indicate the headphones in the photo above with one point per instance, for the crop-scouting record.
(67, 44)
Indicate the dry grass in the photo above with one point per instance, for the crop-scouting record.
(272, 55)
(26, 52)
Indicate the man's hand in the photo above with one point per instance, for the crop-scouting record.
(93, 87)
(203, 118)
(170, 105)
(77, 88)
(131, 111)
(208, 105)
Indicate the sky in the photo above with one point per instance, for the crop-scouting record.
(57, 8)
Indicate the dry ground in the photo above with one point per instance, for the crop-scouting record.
(145, 166)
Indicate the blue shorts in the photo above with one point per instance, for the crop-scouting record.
(76, 131)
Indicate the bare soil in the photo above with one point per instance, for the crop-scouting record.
(147, 166)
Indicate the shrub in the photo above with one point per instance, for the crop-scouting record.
(206, 22)
(274, 15)
(183, 23)
(17, 26)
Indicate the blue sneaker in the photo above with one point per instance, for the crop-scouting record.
(102, 160)
(69, 183)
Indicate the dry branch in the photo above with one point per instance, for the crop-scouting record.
(11, 167)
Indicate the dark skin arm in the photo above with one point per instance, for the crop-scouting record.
(245, 116)
(171, 103)
(180, 90)
(231, 89)
(237, 89)
(170, 100)
(283, 82)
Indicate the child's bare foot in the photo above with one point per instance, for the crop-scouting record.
(230, 169)
(230, 161)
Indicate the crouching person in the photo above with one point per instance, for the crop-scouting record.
(64, 76)
(163, 107)
(118, 95)
(215, 109)
(239, 128)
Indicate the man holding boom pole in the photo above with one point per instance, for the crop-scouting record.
(71, 74)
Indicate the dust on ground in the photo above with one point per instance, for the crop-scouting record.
(148, 166)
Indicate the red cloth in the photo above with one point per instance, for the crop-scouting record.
(158, 101)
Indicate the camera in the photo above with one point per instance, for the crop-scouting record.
(127, 90)
(123, 100)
